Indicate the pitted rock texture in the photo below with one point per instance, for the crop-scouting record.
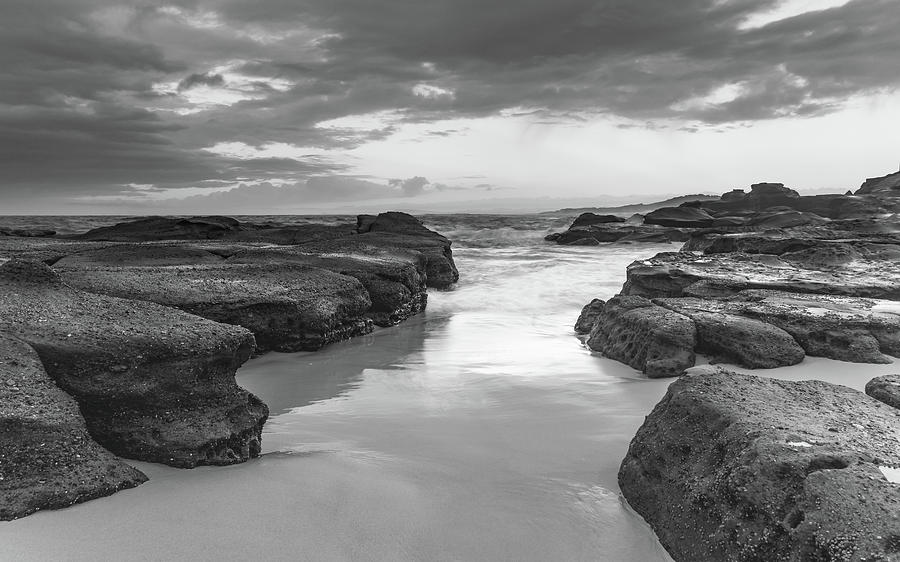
(735, 467)
(648, 337)
(152, 382)
(47, 458)
(674, 274)
(288, 307)
(843, 328)
(588, 316)
(885, 389)
(394, 279)
(400, 230)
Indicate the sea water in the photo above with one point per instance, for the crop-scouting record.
(480, 430)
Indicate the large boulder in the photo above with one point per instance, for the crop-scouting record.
(679, 217)
(726, 336)
(47, 458)
(673, 274)
(885, 389)
(735, 467)
(648, 337)
(153, 383)
(588, 219)
(288, 306)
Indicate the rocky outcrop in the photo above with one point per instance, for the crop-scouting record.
(885, 389)
(734, 467)
(152, 382)
(679, 217)
(394, 230)
(288, 307)
(888, 185)
(673, 274)
(652, 339)
(589, 219)
(394, 279)
(588, 316)
(47, 458)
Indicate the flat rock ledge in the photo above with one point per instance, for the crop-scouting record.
(736, 467)
(153, 383)
(47, 458)
(757, 329)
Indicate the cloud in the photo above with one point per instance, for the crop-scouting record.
(94, 97)
(411, 187)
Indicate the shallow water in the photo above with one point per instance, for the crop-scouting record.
(480, 430)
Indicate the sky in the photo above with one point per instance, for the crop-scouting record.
(284, 106)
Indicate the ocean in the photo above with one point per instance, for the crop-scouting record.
(480, 430)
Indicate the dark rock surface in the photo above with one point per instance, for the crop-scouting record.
(673, 274)
(394, 279)
(885, 389)
(679, 217)
(47, 458)
(288, 307)
(734, 467)
(152, 382)
(588, 219)
(648, 337)
(888, 185)
(588, 316)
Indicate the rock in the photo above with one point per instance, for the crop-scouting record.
(165, 228)
(394, 279)
(587, 241)
(405, 231)
(734, 338)
(648, 337)
(440, 269)
(836, 327)
(734, 467)
(588, 316)
(673, 274)
(888, 185)
(288, 307)
(588, 219)
(153, 383)
(885, 389)
(145, 255)
(679, 217)
(47, 458)
(781, 219)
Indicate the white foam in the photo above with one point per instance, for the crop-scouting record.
(799, 444)
(887, 308)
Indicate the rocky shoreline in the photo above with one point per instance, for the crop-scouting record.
(736, 467)
(125, 340)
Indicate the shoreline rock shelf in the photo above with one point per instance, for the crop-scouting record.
(144, 324)
(736, 467)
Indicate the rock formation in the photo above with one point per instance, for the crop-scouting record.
(153, 383)
(885, 389)
(47, 458)
(143, 324)
(734, 467)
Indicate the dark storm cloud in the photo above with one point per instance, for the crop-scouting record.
(95, 95)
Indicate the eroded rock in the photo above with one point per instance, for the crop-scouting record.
(152, 382)
(47, 458)
(648, 337)
(588, 316)
(885, 389)
(734, 467)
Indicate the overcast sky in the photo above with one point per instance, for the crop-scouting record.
(244, 105)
